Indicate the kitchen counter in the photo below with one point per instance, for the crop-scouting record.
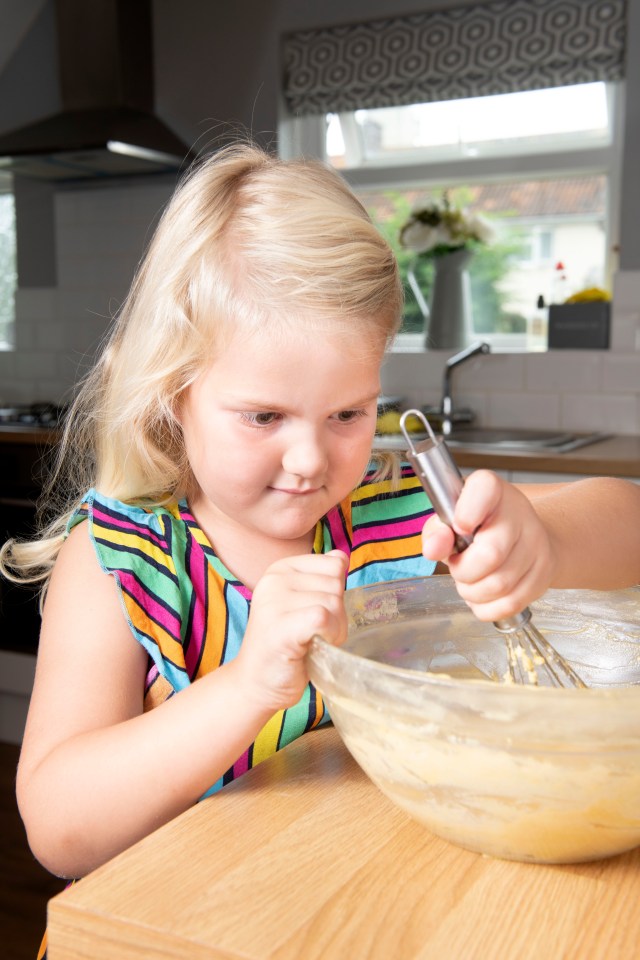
(27, 435)
(615, 456)
(304, 857)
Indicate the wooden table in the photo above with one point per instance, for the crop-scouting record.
(304, 858)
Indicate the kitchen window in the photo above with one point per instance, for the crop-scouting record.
(513, 109)
(540, 165)
(8, 271)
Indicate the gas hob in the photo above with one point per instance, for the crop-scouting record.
(31, 415)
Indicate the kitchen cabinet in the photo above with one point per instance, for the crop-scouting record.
(22, 453)
(21, 471)
(19, 614)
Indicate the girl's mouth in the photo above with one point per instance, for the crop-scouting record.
(295, 492)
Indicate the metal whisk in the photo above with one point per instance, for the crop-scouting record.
(531, 658)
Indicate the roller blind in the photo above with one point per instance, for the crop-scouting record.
(502, 46)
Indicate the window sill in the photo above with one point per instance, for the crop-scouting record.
(407, 343)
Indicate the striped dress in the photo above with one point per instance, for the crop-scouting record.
(190, 613)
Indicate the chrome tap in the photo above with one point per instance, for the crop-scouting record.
(446, 406)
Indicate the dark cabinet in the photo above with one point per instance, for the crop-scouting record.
(21, 469)
(19, 614)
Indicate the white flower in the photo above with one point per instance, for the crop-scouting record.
(419, 237)
(444, 234)
(482, 229)
(439, 228)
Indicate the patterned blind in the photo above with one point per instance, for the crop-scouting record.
(488, 48)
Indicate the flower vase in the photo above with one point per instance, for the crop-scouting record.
(450, 325)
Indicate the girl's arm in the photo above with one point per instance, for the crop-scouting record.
(97, 774)
(584, 534)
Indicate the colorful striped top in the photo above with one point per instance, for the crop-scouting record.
(190, 613)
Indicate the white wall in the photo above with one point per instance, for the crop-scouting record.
(101, 233)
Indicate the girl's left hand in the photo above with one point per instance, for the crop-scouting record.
(510, 562)
(296, 598)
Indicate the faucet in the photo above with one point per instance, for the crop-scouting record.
(446, 407)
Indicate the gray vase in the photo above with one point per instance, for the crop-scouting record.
(450, 324)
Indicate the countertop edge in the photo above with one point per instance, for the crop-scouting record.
(616, 456)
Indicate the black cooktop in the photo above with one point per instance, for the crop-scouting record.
(31, 414)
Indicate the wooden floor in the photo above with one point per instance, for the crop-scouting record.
(25, 886)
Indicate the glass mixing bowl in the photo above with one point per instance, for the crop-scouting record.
(518, 772)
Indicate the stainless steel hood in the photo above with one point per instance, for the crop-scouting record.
(107, 125)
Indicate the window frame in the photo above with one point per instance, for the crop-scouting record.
(304, 136)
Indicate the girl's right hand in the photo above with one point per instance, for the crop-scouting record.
(295, 599)
(510, 562)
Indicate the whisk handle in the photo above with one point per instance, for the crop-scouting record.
(439, 475)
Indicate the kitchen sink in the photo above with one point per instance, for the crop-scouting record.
(522, 439)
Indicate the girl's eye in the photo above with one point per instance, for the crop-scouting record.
(262, 419)
(347, 416)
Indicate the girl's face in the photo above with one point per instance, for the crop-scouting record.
(278, 433)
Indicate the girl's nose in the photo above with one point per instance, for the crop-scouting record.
(306, 455)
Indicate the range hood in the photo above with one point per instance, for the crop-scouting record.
(106, 126)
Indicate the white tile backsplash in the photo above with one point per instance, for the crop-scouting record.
(611, 413)
(36, 364)
(532, 409)
(48, 334)
(87, 306)
(563, 371)
(621, 374)
(625, 332)
(491, 372)
(415, 376)
(36, 303)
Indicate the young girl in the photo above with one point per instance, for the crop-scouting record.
(219, 497)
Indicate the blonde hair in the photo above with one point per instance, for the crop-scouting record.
(248, 242)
